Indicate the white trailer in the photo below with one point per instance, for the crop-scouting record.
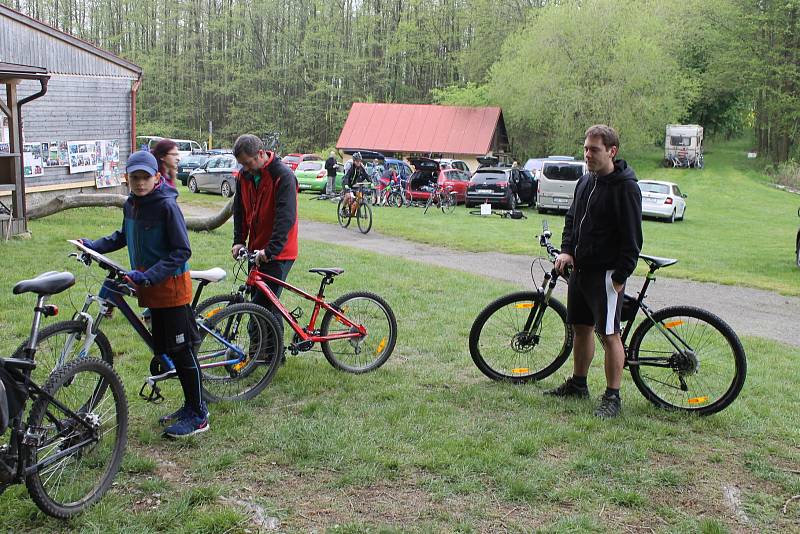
(683, 146)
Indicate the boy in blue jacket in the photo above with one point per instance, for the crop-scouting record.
(154, 231)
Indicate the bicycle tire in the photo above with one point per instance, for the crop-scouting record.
(449, 203)
(369, 310)
(364, 217)
(255, 331)
(343, 215)
(498, 346)
(428, 204)
(397, 200)
(211, 306)
(715, 347)
(50, 348)
(71, 494)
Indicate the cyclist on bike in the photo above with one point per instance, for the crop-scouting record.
(601, 241)
(265, 213)
(354, 177)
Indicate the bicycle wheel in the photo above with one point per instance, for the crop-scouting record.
(63, 342)
(364, 217)
(360, 354)
(502, 348)
(449, 203)
(211, 306)
(239, 352)
(396, 200)
(343, 214)
(704, 376)
(76, 458)
(428, 204)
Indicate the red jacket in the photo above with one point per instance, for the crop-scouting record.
(265, 216)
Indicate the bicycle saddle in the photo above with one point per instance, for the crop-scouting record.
(656, 262)
(48, 283)
(211, 275)
(327, 272)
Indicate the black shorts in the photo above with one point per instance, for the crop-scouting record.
(592, 301)
(173, 329)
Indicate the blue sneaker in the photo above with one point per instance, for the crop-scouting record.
(188, 426)
(176, 416)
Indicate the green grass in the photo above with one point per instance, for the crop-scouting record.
(739, 229)
(426, 443)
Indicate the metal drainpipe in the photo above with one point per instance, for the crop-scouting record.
(20, 103)
(134, 92)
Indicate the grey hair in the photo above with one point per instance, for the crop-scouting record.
(247, 144)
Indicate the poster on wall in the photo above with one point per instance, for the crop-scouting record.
(32, 162)
(82, 157)
(5, 144)
(55, 154)
(107, 155)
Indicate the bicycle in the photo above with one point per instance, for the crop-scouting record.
(358, 331)
(236, 363)
(355, 206)
(680, 357)
(443, 198)
(71, 447)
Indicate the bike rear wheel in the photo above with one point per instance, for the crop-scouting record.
(77, 461)
(502, 348)
(211, 306)
(364, 217)
(449, 203)
(360, 354)
(704, 377)
(239, 353)
(343, 213)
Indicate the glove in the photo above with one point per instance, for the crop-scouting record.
(138, 278)
(86, 242)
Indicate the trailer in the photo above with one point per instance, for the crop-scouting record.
(683, 146)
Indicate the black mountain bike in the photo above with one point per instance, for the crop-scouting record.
(680, 357)
(70, 448)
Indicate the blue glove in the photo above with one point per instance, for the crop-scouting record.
(86, 242)
(138, 278)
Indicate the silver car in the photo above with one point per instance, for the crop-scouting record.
(662, 200)
(217, 175)
(556, 183)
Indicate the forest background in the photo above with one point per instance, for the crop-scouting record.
(296, 66)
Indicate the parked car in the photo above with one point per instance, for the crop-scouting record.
(527, 188)
(217, 175)
(428, 172)
(534, 165)
(188, 164)
(662, 200)
(454, 164)
(147, 142)
(187, 146)
(293, 160)
(556, 184)
(493, 185)
(312, 176)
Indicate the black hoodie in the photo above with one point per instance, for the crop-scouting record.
(603, 227)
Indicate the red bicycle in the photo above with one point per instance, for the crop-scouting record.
(358, 330)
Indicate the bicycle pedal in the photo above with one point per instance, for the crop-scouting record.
(34, 437)
(154, 396)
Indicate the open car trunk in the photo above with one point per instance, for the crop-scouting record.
(426, 173)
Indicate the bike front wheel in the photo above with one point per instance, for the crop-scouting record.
(364, 353)
(507, 343)
(364, 217)
(696, 364)
(239, 353)
(449, 203)
(343, 213)
(76, 456)
(211, 306)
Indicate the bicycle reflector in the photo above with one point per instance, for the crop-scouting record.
(211, 313)
(697, 400)
(520, 371)
(381, 346)
(673, 324)
(524, 305)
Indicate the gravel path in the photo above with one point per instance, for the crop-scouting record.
(749, 311)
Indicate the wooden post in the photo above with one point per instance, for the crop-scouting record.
(15, 145)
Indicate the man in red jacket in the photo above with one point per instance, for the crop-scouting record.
(265, 212)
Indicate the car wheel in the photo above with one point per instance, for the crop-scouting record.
(226, 190)
(797, 253)
(541, 210)
(671, 217)
(193, 185)
(683, 215)
(512, 202)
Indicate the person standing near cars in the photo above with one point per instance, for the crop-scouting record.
(601, 242)
(168, 157)
(265, 213)
(330, 167)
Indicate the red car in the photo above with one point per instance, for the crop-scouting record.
(427, 172)
(293, 160)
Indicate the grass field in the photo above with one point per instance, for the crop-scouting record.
(426, 443)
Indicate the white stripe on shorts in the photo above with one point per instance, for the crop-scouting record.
(611, 304)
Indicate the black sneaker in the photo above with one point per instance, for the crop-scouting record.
(610, 406)
(569, 389)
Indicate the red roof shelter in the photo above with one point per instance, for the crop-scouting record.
(447, 131)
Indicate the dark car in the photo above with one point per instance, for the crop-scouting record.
(497, 185)
(190, 163)
(217, 175)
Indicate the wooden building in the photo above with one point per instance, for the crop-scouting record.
(77, 135)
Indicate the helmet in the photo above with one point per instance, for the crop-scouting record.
(357, 156)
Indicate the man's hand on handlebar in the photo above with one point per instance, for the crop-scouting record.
(235, 250)
(564, 262)
(261, 257)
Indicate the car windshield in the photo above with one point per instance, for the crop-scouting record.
(483, 177)
(310, 166)
(194, 159)
(679, 140)
(646, 187)
(565, 172)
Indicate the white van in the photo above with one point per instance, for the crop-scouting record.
(185, 146)
(556, 184)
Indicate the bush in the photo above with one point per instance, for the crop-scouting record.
(786, 174)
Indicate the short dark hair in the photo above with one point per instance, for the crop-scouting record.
(248, 144)
(608, 134)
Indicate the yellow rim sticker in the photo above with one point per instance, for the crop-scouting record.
(212, 313)
(520, 371)
(697, 400)
(239, 366)
(673, 324)
(524, 305)
(381, 346)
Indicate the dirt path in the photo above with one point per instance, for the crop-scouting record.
(749, 311)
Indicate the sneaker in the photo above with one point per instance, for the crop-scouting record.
(176, 416)
(569, 389)
(188, 426)
(610, 406)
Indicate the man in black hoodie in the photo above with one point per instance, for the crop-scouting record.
(601, 242)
